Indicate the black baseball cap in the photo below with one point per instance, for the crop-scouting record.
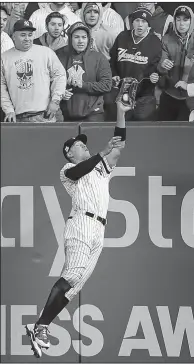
(68, 144)
(23, 24)
(182, 10)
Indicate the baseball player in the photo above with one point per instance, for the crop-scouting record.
(86, 179)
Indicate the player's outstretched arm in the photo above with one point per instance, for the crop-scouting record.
(85, 167)
(120, 130)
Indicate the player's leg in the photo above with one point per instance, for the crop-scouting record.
(56, 301)
(77, 256)
(94, 255)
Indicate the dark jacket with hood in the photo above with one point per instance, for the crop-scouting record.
(181, 51)
(93, 70)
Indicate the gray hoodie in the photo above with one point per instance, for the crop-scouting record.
(102, 36)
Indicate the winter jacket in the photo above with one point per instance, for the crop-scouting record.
(181, 51)
(93, 71)
(102, 36)
(136, 59)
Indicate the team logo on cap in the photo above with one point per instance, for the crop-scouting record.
(66, 149)
(183, 9)
(144, 15)
(26, 23)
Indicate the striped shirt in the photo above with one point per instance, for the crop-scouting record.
(6, 42)
(91, 192)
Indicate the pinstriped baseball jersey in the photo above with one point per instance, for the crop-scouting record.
(83, 235)
(91, 192)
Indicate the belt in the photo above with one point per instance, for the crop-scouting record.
(101, 219)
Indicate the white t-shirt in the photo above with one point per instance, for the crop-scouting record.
(6, 42)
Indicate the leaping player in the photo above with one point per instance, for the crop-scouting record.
(86, 179)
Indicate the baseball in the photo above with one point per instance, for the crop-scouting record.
(125, 97)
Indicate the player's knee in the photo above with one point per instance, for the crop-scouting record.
(62, 285)
(73, 277)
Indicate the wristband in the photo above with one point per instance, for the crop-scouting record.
(120, 132)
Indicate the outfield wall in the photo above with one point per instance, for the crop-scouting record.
(138, 305)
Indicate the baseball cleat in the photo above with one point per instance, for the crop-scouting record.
(40, 333)
(34, 346)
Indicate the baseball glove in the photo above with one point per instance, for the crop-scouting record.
(127, 92)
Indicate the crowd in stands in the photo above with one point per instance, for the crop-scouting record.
(66, 61)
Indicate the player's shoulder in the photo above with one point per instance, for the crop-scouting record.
(66, 166)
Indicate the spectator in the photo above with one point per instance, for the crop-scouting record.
(175, 65)
(160, 22)
(102, 36)
(32, 78)
(136, 54)
(39, 16)
(6, 41)
(53, 38)
(110, 18)
(89, 77)
(17, 11)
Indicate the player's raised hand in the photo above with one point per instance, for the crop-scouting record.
(122, 108)
(114, 142)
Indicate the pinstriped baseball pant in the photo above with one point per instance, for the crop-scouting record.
(84, 238)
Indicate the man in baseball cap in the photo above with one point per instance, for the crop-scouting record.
(28, 72)
(23, 24)
(23, 43)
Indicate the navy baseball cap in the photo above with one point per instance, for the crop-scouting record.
(23, 24)
(68, 144)
(182, 10)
